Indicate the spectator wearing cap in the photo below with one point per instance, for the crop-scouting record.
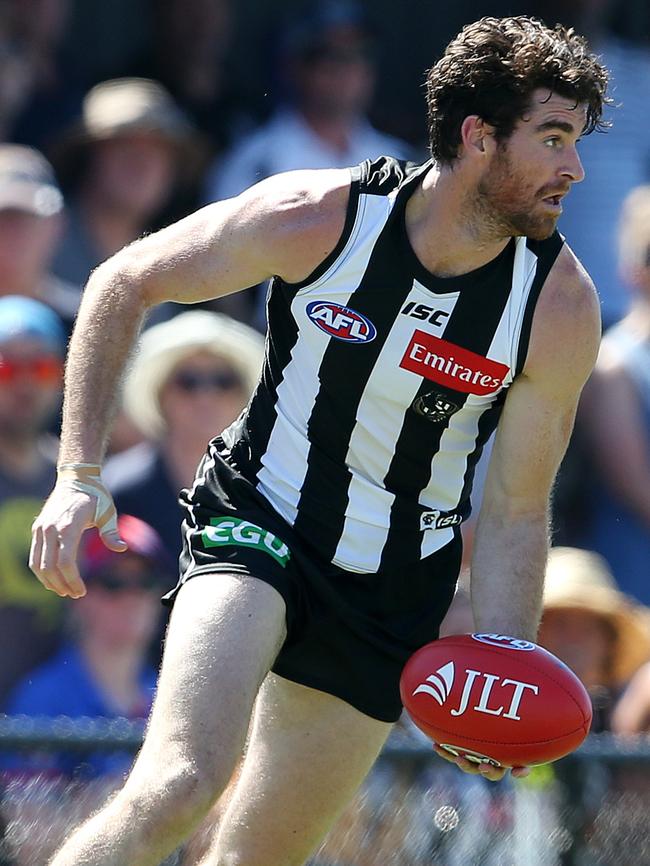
(102, 669)
(599, 632)
(32, 344)
(330, 71)
(122, 162)
(31, 222)
(331, 74)
(191, 378)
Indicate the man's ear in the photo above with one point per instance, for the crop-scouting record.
(473, 134)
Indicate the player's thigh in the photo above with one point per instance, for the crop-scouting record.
(224, 634)
(308, 754)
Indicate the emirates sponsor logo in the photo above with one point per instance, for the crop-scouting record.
(447, 364)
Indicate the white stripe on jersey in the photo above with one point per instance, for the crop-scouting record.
(284, 463)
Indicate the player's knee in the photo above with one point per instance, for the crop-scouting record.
(176, 797)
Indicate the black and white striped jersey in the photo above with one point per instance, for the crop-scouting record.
(382, 382)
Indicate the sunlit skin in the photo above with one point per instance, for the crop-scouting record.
(533, 170)
(494, 191)
(465, 213)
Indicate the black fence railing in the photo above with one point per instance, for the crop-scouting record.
(589, 809)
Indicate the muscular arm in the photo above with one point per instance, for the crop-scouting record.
(511, 539)
(285, 226)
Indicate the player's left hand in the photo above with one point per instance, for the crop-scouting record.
(489, 772)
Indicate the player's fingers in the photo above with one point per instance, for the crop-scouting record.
(521, 772)
(462, 763)
(49, 565)
(67, 562)
(113, 541)
(492, 774)
(109, 533)
(35, 553)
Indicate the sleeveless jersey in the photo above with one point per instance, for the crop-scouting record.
(382, 383)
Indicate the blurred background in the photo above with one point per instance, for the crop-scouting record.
(117, 118)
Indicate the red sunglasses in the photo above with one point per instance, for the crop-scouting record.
(46, 369)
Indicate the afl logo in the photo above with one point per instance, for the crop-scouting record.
(503, 640)
(341, 322)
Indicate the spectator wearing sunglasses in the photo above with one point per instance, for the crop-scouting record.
(102, 669)
(191, 378)
(32, 343)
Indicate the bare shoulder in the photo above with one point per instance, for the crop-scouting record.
(566, 328)
(300, 216)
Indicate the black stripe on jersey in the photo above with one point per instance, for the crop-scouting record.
(486, 427)
(380, 296)
(547, 252)
(257, 423)
(472, 324)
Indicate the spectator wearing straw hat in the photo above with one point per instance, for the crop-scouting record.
(191, 378)
(602, 634)
(122, 162)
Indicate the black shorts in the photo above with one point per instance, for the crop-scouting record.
(348, 634)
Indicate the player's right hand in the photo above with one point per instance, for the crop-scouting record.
(79, 501)
(487, 771)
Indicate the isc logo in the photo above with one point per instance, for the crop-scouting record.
(440, 684)
(424, 313)
(340, 322)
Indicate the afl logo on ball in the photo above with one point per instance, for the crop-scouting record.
(505, 641)
(340, 322)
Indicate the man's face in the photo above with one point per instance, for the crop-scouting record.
(135, 172)
(337, 79)
(31, 381)
(27, 243)
(534, 168)
(122, 606)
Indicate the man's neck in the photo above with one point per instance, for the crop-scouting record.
(446, 235)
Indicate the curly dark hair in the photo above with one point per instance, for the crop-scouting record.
(491, 69)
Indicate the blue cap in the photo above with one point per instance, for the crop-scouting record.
(25, 317)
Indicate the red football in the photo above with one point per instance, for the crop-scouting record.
(490, 696)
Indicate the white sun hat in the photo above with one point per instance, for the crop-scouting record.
(163, 346)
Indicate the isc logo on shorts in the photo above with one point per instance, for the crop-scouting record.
(242, 533)
(341, 322)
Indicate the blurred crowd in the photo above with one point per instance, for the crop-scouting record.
(116, 118)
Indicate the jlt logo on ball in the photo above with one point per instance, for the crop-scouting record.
(505, 701)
